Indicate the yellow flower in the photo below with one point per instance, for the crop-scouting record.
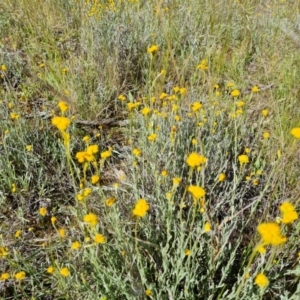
(92, 149)
(140, 208)
(261, 280)
(266, 135)
(196, 191)
(75, 245)
(50, 270)
(29, 148)
(62, 232)
(176, 181)
(95, 179)
(145, 111)
(207, 227)
(43, 211)
(110, 201)
(203, 65)
(264, 112)
(153, 49)
(255, 89)
(3, 251)
(64, 272)
(18, 233)
(148, 292)
(259, 172)
(196, 106)
(105, 154)
(63, 106)
(136, 152)
(13, 188)
(243, 159)
(195, 160)
(86, 138)
(87, 192)
(62, 123)
(222, 177)
(271, 234)
(289, 213)
(121, 97)
(187, 252)
(152, 137)
(4, 276)
(169, 195)
(91, 219)
(3, 68)
(99, 238)
(164, 173)
(177, 118)
(53, 220)
(182, 91)
(235, 93)
(295, 132)
(176, 89)
(163, 96)
(20, 275)
(84, 156)
(230, 84)
(14, 116)
(240, 103)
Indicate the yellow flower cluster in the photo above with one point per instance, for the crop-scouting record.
(91, 219)
(140, 208)
(62, 123)
(270, 234)
(289, 213)
(88, 155)
(195, 160)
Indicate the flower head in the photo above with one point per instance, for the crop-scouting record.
(255, 89)
(20, 275)
(235, 93)
(64, 272)
(43, 211)
(91, 219)
(75, 245)
(136, 152)
(62, 123)
(152, 137)
(84, 156)
(153, 49)
(221, 177)
(110, 201)
(261, 280)
(243, 159)
(4, 276)
(196, 106)
(270, 234)
(50, 270)
(289, 213)
(207, 227)
(141, 208)
(95, 179)
(99, 238)
(105, 154)
(295, 132)
(63, 106)
(195, 160)
(196, 191)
